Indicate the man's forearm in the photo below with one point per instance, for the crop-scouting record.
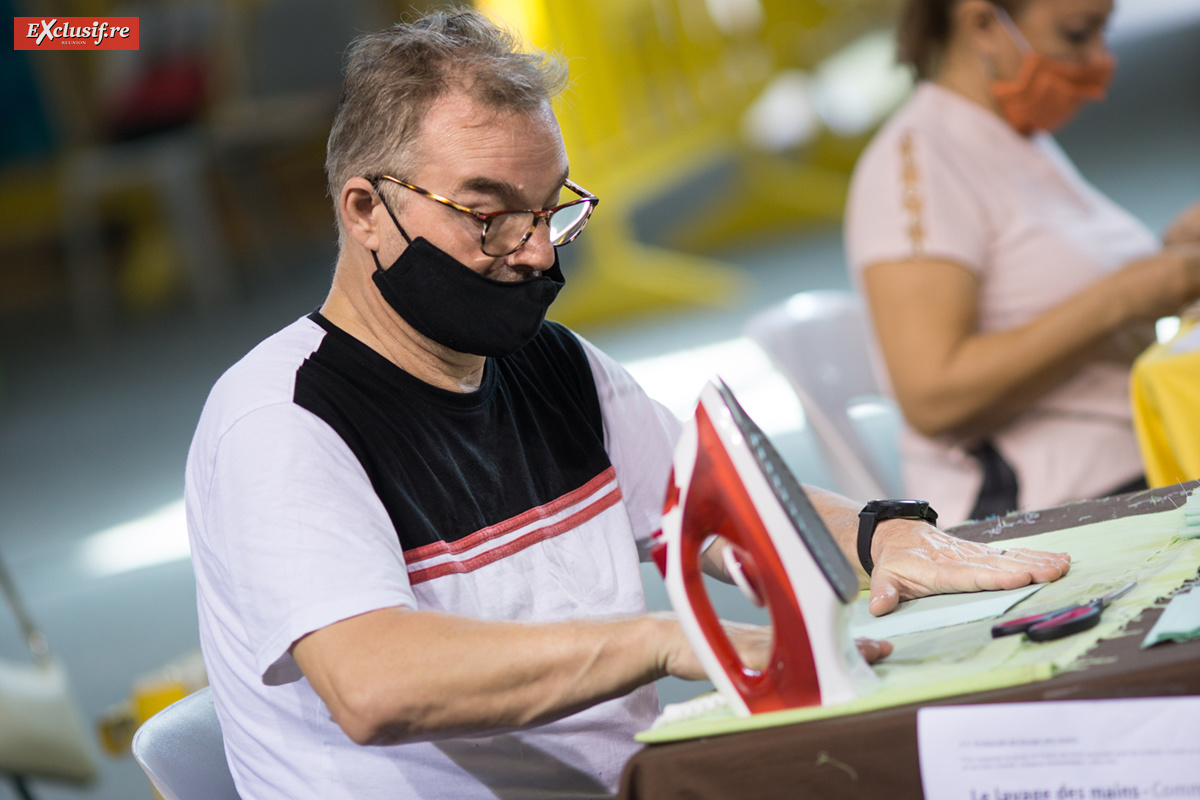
(395, 675)
(841, 516)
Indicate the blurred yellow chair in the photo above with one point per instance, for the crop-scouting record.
(151, 693)
(651, 124)
(1165, 398)
(649, 104)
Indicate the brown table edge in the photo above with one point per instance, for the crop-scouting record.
(1161, 671)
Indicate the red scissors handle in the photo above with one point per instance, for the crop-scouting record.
(1022, 624)
(1063, 622)
(1066, 623)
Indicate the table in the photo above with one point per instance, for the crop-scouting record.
(1165, 395)
(874, 755)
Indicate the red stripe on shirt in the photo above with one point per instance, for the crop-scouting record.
(518, 544)
(513, 523)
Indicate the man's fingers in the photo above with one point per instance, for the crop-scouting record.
(991, 569)
(959, 566)
(885, 595)
(1025, 556)
(1040, 566)
(873, 649)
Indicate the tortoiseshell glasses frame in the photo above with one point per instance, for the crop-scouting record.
(505, 232)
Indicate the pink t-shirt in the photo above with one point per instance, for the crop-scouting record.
(947, 179)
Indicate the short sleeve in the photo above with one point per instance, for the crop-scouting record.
(291, 535)
(639, 435)
(911, 198)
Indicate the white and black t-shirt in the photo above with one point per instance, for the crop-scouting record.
(324, 482)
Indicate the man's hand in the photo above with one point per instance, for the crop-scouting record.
(913, 559)
(752, 643)
(873, 649)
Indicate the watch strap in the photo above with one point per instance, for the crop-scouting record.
(866, 534)
(878, 511)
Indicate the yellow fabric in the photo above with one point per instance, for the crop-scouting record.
(964, 658)
(1165, 394)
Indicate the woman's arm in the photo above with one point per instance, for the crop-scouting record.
(949, 378)
(1184, 229)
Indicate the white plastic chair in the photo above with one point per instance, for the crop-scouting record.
(182, 752)
(818, 341)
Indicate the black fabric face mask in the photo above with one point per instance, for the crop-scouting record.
(458, 308)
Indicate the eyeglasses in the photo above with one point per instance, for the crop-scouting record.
(506, 232)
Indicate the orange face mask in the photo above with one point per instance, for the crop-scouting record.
(1047, 93)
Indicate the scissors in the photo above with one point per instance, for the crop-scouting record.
(1060, 622)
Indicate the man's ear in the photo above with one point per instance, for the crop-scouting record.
(357, 205)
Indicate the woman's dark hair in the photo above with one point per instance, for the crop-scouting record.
(924, 31)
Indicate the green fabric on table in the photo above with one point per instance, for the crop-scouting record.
(1191, 517)
(1148, 548)
(1180, 620)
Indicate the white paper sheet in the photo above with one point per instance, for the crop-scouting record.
(939, 611)
(1079, 750)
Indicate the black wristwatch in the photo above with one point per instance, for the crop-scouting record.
(877, 511)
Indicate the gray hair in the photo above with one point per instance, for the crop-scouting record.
(394, 76)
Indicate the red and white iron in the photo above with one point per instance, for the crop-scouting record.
(728, 480)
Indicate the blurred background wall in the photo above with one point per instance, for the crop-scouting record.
(163, 210)
(185, 171)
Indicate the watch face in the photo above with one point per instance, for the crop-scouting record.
(901, 509)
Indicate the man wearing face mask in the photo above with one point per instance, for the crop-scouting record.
(1008, 296)
(416, 514)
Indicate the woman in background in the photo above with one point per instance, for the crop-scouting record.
(1008, 296)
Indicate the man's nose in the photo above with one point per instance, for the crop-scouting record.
(537, 253)
(1098, 49)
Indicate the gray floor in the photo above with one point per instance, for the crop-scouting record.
(94, 436)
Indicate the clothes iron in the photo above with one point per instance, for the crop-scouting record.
(728, 480)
